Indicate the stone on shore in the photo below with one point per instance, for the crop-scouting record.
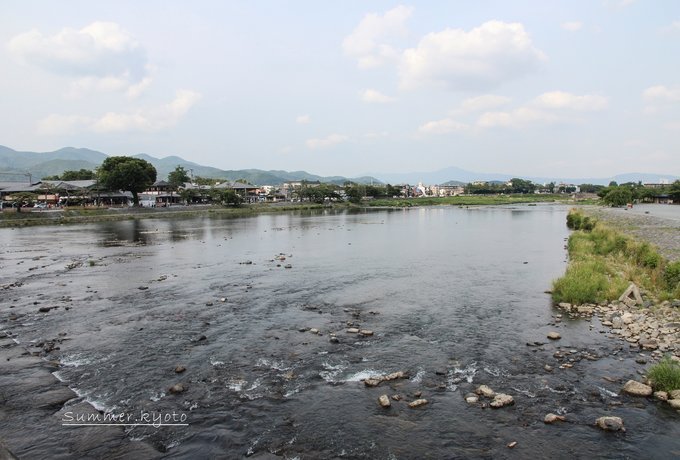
(610, 423)
(552, 418)
(637, 389)
(485, 391)
(661, 395)
(384, 401)
(352, 330)
(417, 403)
(554, 335)
(674, 403)
(502, 400)
(675, 394)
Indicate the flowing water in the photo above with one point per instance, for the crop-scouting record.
(454, 297)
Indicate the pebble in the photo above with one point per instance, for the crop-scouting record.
(384, 401)
(513, 443)
(180, 369)
(554, 335)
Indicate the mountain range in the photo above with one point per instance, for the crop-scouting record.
(16, 166)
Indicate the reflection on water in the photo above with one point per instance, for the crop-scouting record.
(452, 297)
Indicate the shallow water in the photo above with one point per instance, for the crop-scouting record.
(453, 296)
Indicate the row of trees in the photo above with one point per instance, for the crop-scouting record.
(619, 195)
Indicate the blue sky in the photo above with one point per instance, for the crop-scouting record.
(554, 88)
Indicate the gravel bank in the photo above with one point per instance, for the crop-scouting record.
(657, 224)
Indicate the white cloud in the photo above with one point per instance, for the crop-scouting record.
(563, 100)
(303, 119)
(99, 57)
(517, 118)
(661, 93)
(444, 126)
(369, 41)
(673, 28)
(327, 141)
(145, 119)
(376, 135)
(484, 102)
(373, 96)
(572, 26)
(484, 57)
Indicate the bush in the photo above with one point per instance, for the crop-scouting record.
(665, 375)
(672, 275)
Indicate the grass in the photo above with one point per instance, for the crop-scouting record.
(603, 262)
(665, 375)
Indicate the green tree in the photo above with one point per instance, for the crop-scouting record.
(618, 196)
(355, 193)
(522, 186)
(674, 191)
(126, 173)
(82, 174)
(178, 177)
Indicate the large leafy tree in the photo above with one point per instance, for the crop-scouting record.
(178, 177)
(127, 173)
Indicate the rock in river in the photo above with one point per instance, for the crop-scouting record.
(177, 388)
(554, 335)
(485, 391)
(552, 418)
(610, 423)
(417, 403)
(501, 400)
(637, 389)
(384, 401)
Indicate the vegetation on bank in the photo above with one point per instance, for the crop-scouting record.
(603, 262)
(665, 375)
(466, 200)
(73, 215)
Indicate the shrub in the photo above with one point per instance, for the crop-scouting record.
(574, 220)
(665, 375)
(672, 275)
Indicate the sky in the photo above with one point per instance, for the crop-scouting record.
(574, 88)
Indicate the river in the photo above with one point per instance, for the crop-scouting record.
(455, 297)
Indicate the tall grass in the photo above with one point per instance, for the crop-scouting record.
(665, 375)
(603, 262)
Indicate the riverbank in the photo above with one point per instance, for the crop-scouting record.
(617, 277)
(75, 215)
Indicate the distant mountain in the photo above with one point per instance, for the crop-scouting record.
(453, 174)
(15, 164)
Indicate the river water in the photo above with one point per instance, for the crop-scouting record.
(455, 297)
